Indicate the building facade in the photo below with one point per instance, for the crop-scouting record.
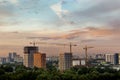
(12, 56)
(18, 59)
(76, 62)
(2, 60)
(29, 55)
(116, 58)
(40, 60)
(65, 61)
(109, 58)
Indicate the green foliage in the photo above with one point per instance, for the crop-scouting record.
(2, 72)
(7, 68)
(83, 70)
(52, 73)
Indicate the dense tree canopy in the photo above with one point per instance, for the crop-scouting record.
(7, 72)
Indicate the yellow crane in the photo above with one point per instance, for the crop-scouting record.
(58, 44)
(86, 54)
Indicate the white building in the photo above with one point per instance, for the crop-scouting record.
(75, 62)
(82, 62)
(109, 58)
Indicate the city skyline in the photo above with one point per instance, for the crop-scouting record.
(84, 22)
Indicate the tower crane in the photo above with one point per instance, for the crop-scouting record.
(59, 44)
(86, 53)
(34, 43)
(70, 45)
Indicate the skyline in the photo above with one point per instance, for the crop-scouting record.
(83, 22)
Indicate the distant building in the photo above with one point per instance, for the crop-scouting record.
(116, 67)
(109, 58)
(65, 61)
(18, 59)
(12, 56)
(7, 60)
(117, 58)
(52, 60)
(28, 55)
(100, 56)
(2, 60)
(82, 62)
(99, 59)
(76, 62)
(40, 60)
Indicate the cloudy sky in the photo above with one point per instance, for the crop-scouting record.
(83, 22)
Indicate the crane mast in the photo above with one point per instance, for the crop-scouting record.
(86, 54)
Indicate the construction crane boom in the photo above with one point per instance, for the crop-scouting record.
(33, 43)
(86, 54)
(59, 44)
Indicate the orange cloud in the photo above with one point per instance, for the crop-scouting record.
(85, 33)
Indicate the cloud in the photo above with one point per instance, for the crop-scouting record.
(114, 23)
(60, 12)
(7, 24)
(42, 38)
(92, 35)
(57, 8)
(4, 12)
(14, 1)
(5, 15)
(104, 7)
(88, 34)
(88, 40)
(100, 12)
(9, 1)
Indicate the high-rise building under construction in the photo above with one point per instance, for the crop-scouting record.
(65, 61)
(29, 55)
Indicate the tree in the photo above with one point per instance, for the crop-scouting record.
(2, 72)
(83, 70)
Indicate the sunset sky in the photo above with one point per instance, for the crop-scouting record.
(83, 22)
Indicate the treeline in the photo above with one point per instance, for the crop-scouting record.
(8, 72)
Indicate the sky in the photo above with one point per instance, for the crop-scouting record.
(83, 22)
